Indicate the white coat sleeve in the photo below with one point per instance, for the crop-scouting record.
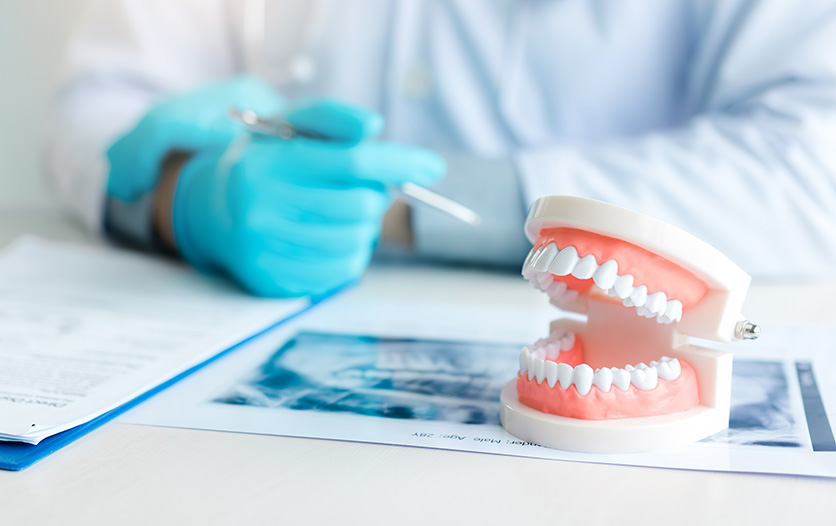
(125, 55)
(753, 172)
(491, 188)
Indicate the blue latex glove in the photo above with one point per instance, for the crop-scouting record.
(288, 218)
(192, 122)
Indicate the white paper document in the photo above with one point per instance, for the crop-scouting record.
(84, 330)
(428, 374)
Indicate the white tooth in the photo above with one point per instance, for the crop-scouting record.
(585, 268)
(629, 368)
(663, 319)
(644, 379)
(653, 363)
(541, 264)
(676, 367)
(552, 350)
(664, 370)
(656, 303)
(628, 302)
(641, 365)
(544, 279)
(530, 366)
(540, 370)
(528, 271)
(582, 378)
(567, 341)
(557, 334)
(612, 293)
(551, 372)
(533, 281)
(606, 274)
(643, 311)
(564, 262)
(568, 297)
(524, 360)
(564, 375)
(534, 257)
(603, 379)
(620, 378)
(556, 289)
(673, 310)
(526, 268)
(623, 285)
(638, 296)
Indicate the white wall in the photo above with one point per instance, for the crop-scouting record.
(32, 38)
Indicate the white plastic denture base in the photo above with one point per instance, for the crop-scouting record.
(629, 435)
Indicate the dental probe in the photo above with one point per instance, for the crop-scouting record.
(283, 129)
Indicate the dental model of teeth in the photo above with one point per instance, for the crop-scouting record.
(544, 263)
(573, 390)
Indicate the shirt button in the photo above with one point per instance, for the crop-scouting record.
(417, 82)
(302, 69)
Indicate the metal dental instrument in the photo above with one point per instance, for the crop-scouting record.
(281, 128)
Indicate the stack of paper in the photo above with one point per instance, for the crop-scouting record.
(84, 330)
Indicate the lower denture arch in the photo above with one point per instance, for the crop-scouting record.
(667, 396)
(648, 269)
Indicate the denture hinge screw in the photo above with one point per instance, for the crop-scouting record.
(746, 330)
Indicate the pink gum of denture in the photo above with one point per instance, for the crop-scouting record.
(669, 396)
(647, 268)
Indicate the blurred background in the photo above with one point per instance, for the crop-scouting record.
(33, 34)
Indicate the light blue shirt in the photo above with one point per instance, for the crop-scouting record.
(718, 116)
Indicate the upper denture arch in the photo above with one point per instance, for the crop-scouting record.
(655, 272)
(715, 316)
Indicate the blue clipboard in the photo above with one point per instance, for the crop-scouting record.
(15, 456)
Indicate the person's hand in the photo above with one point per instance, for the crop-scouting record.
(300, 216)
(283, 218)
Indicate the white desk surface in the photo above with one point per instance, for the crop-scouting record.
(127, 474)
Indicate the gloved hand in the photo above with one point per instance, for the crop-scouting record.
(300, 216)
(288, 218)
(283, 218)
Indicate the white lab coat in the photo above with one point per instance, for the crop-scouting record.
(716, 116)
